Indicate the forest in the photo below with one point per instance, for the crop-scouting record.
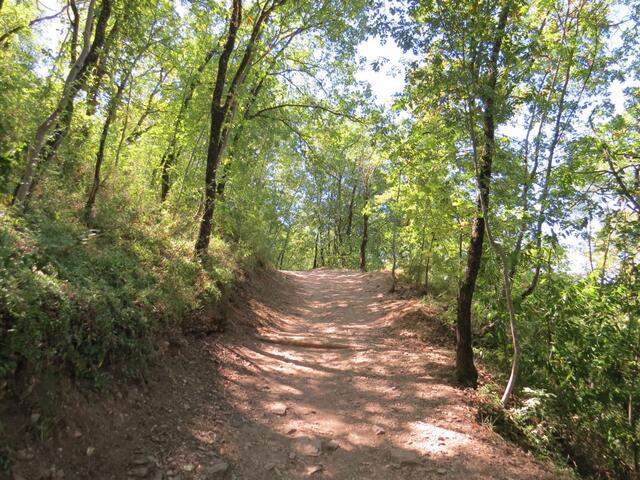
(152, 152)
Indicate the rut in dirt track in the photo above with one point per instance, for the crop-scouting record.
(329, 388)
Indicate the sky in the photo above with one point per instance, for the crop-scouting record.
(390, 79)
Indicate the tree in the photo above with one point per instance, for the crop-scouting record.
(224, 105)
(75, 80)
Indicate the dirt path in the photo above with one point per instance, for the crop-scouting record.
(331, 386)
(382, 406)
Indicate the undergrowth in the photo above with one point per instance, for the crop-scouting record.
(541, 422)
(82, 301)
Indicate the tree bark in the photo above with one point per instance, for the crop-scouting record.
(428, 264)
(218, 113)
(394, 246)
(75, 30)
(172, 151)
(465, 369)
(338, 213)
(363, 243)
(111, 115)
(350, 214)
(73, 83)
(315, 252)
(284, 249)
(222, 112)
(100, 70)
(365, 224)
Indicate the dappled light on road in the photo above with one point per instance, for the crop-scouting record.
(330, 383)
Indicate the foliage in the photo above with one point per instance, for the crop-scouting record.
(82, 301)
(311, 172)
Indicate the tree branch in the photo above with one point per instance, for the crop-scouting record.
(4, 37)
(305, 105)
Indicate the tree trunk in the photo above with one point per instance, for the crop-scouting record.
(428, 264)
(426, 276)
(394, 279)
(488, 150)
(338, 224)
(222, 112)
(350, 214)
(465, 369)
(60, 132)
(315, 253)
(603, 272)
(168, 160)
(363, 244)
(172, 151)
(74, 82)
(94, 87)
(284, 249)
(394, 246)
(111, 115)
(218, 113)
(75, 31)
(213, 161)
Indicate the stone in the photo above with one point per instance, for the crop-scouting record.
(139, 472)
(218, 467)
(313, 469)
(309, 447)
(91, 451)
(329, 445)
(279, 409)
(441, 471)
(404, 457)
(380, 431)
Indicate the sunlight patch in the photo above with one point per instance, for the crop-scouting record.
(430, 438)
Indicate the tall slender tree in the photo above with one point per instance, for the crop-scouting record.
(74, 82)
(224, 105)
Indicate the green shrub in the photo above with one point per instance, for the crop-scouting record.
(580, 343)
(82, 300)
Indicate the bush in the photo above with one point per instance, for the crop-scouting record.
(580, 342)
(82, 300)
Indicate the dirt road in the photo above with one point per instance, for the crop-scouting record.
(318, 375)
(371, 404)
